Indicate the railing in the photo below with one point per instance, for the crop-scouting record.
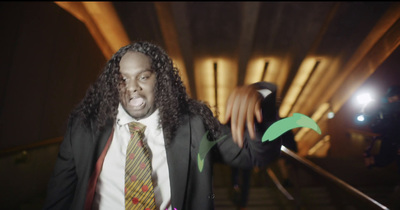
(357, 198)
(354, 197)
(23, 148)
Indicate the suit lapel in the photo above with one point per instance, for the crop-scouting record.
(99, 140)
(178, 157)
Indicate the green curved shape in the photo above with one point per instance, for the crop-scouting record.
(200, 162)
(274, 131)
(281, 126)
(205, 146)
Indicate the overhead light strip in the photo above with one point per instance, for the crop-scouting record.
(305, 83)
(216, 88)
(264, 71)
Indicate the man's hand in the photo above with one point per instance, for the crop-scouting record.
(242, 106)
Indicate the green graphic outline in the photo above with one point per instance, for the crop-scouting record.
(205, 146)
(274, 131)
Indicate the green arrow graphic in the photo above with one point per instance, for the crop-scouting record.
(274, 131)
(281, 126)
(205, 146)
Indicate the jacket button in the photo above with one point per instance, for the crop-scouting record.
(211, 196)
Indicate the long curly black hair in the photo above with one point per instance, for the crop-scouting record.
(100, 104)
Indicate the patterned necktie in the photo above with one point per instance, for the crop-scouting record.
(139, 193)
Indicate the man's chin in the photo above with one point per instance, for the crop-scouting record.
(140, 114)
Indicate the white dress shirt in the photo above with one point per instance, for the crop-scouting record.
(111, 182)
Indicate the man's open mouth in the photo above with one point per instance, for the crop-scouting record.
(136, 102)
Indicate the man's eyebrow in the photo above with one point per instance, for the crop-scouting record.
(142, 71)
(145, 70)
(151, 70)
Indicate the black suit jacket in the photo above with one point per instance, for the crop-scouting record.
(190, 188)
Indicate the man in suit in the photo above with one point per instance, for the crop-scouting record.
(139, 83)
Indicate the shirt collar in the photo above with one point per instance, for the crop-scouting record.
(151, 121)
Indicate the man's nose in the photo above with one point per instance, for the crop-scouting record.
(133, 85)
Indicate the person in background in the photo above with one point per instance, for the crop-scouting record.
(283, 163)
(385, 121)
(239, 193)
(141, 96)
(241, 178)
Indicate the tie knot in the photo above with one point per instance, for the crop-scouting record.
(136, 127)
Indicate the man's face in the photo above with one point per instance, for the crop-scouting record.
(137, 89)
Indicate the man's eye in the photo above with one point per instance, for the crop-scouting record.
(143, 77)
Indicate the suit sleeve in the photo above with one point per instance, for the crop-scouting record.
(254, 152)
(62, 184)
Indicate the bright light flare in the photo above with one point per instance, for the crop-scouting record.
(364, 99)
(331, 115)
